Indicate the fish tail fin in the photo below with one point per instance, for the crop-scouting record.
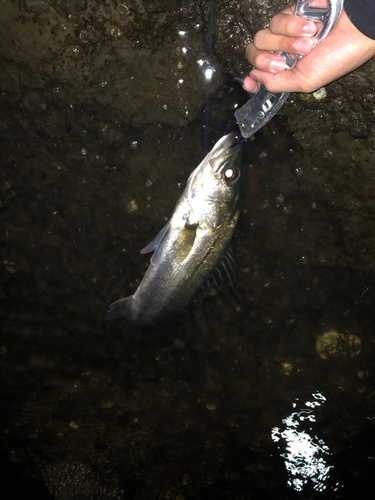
(122, 308)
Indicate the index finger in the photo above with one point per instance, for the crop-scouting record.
(292, 26)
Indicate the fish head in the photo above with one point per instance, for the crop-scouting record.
(217, 176)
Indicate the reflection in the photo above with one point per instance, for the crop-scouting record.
(304, 453)
(208, 73)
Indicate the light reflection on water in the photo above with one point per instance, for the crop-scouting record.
(303, 452)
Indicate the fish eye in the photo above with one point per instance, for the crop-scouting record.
(231, 174)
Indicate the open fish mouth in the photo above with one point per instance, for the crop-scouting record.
(225, 152)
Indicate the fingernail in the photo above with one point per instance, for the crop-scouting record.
(277, 65)
(310, 28)
(303, 46)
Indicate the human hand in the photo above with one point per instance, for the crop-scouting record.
(344, 50)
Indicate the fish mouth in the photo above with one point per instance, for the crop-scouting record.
(222, 154)
(225, 152)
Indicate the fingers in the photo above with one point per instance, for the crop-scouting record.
(285, 81)
(266, 40)
(344, 50)
(287, 33)
(293, 26)
(251, 85)
(264, 60)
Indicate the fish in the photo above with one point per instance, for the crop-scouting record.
(193, 249)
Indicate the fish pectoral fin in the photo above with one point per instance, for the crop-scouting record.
(224, 274)
(180, 247)
(184, 242)
(157, 241)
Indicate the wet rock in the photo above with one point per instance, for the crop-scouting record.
(286, 368)
(75, 481)
(235, 24)
(112, 56)
(93, 163)
(320, 94)
(74, 6)
(333, 344)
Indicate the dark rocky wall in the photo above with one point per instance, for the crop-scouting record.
(105, 111)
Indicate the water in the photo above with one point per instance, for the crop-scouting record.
(268, 391)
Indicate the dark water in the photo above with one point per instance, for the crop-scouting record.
(266, 393)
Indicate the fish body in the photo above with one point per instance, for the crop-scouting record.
(192, 245)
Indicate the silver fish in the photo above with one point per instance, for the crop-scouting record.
(193, 246)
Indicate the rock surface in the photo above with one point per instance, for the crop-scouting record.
(106, 108)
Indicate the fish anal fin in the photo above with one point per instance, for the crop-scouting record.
(122, 308)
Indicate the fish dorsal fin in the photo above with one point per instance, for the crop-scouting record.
(224, 274)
